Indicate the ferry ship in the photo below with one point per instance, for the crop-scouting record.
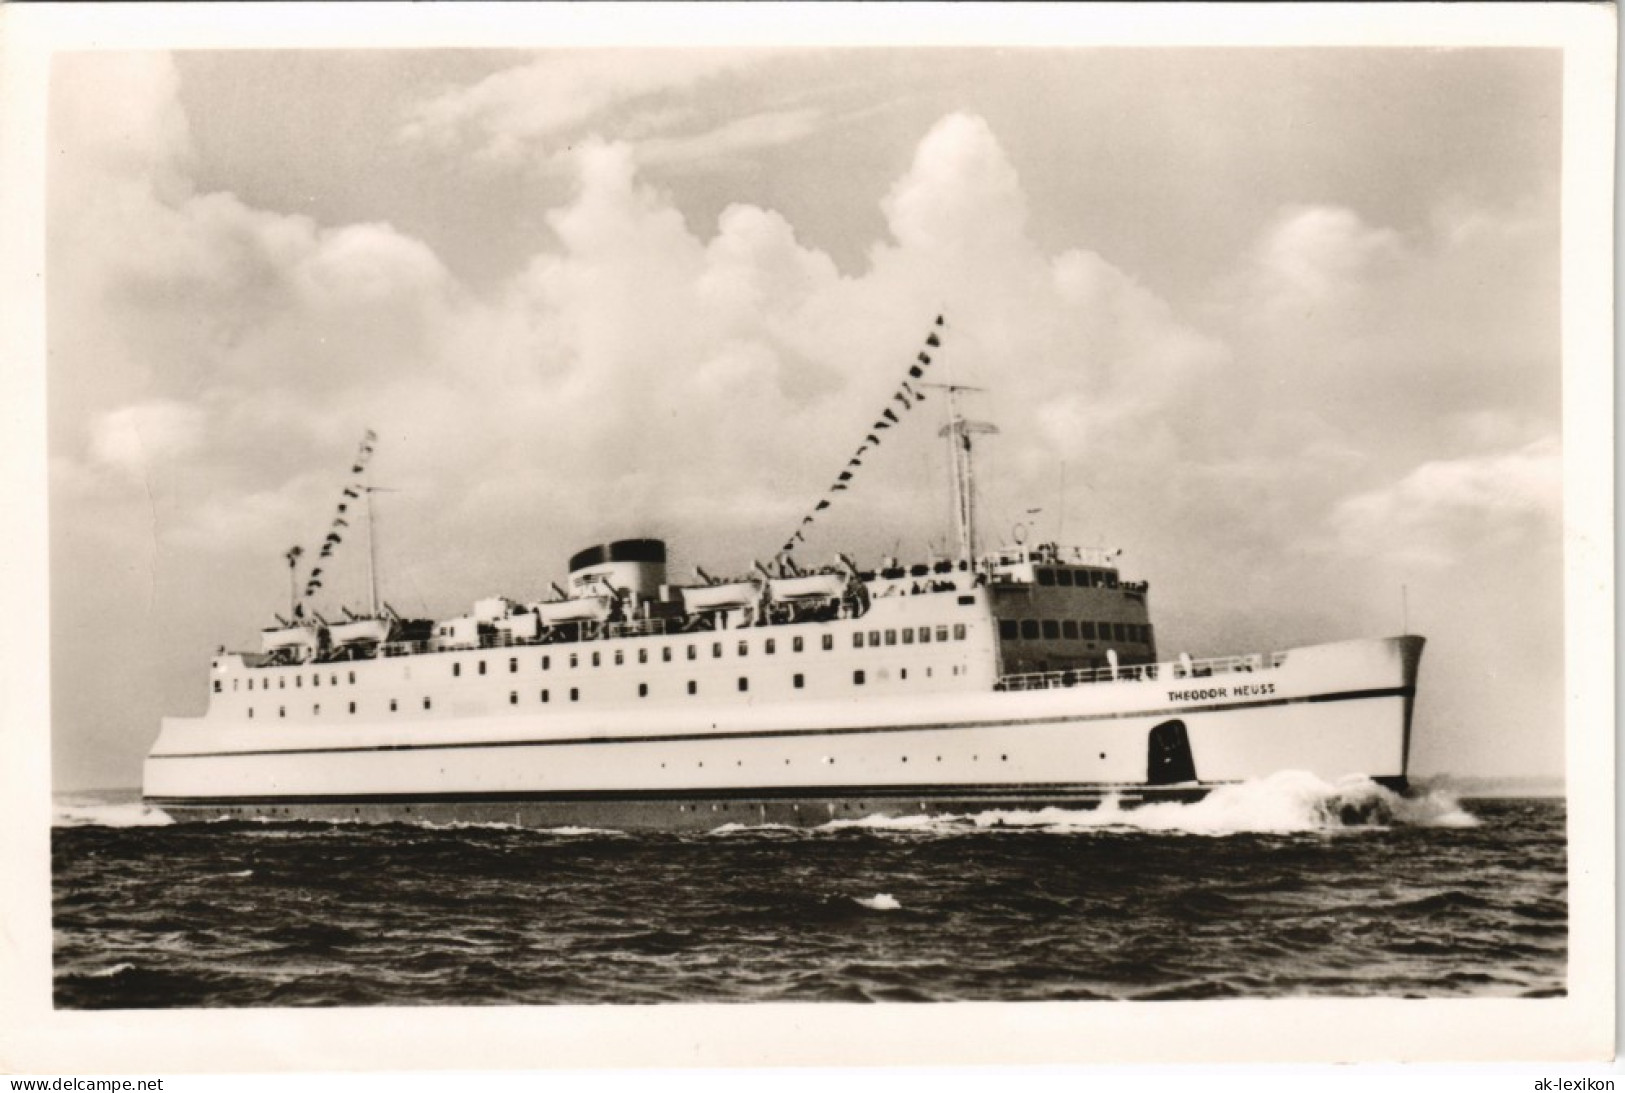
(1011, 679)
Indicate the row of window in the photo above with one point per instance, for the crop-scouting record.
(282, 681)
(1080, 578)
(1073, 630)
(798, 681)
(908, 635)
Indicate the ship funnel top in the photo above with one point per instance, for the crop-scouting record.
(637, 566)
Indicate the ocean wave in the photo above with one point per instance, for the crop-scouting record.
(65, 814)
(1287, 802)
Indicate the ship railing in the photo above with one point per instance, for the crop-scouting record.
(1123, 673)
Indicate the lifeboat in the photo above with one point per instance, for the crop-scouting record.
(297, 642)
(359, 632)
(721, 597)
(579, 609)
(808, 586)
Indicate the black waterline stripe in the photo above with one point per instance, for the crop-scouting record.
(991, 791)
(1339, 696)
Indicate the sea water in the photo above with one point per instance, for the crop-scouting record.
(1286, 886)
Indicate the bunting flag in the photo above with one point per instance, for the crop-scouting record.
(363, 456)
(905, 394)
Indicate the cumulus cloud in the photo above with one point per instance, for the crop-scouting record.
(135, 438)
(1446, 509)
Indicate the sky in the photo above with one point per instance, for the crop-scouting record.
(1280, 324)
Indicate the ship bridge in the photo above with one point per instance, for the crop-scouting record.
(1067, 609)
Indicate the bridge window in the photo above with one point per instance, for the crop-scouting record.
(1086, 630)
(575, 660)
(282, 711)
(874, 639)
(857, 639)
(665, 653)
(857, 677)
(315, 679)
(545, 695)
(620, 657)
(769, 646)
(643, 690)
(829, 642)
(942, 633)
(744, 648)
(643, 656)
(1046, 577)
(693, 688)
(575, 694)
(352, 677)
(299, 681)
(798, 680)
(482, 667)
(1029, 629)
(693, 652)
(1063, 577)
(352, 707)
(282, 683)
(908, 635)
(547, 663)
(1009, 630)
(456, 670)
(513, 698)
(891, 637)
(513, 664)
(1119, 632)
(744, 683)
(1052, 630)
(959, 631)
(796, 644)
(925, 635)
(1069, 629)
(597, 658)
(716, 650)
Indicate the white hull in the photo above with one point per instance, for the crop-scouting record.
(1333, 710)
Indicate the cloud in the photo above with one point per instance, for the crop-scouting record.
(724, 143)
(133, 439)
(523, 111)
(1446, 509)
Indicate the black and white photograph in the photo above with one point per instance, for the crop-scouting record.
(569, 522)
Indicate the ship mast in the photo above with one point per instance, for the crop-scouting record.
(372, 552)
(962, 469)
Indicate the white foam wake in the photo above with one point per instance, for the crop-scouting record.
(880, 901)
(66, 814)
(1286, 802)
